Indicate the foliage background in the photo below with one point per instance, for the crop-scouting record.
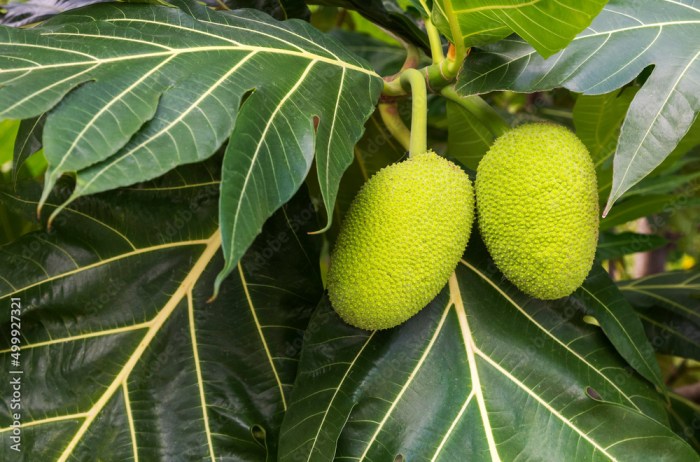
(118, 291)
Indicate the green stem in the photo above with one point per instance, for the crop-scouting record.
(455, 63)
(480, 108)
(389, 113)
(415, 81)
(433, 35)
(435, 41)
(412, 55)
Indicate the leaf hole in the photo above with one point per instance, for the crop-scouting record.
(259, 435)
(245, 97)
(588, 319)
(593, 394)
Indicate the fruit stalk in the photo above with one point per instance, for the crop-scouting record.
(419, 110)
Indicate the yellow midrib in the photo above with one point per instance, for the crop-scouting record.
(179, 51)
(213, 245)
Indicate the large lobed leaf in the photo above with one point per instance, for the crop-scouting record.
(626, 37)
(547, 25)
(135, 91)
(122, 355)
(482, 373)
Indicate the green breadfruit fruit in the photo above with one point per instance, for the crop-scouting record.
(537, 206)
(401, 240)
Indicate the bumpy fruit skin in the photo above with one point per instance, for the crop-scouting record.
(401, 239)
(537, 206)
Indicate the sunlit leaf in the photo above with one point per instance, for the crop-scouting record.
(625, 38)
(548, 25)
(152, 88)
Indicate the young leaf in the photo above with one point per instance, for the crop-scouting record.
(547, 25)
(125, 357)
(152, 88)
(626, 37)
(482, 373)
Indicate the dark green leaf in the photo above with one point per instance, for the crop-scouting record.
(626, 37)
(468, 138)
(385, 13)
(612, 246)
(644, 206)
(28, 142)
(279, 9)
(667, 183)
(601, 299)
(374, 151)
(473, 127)
(598, 119)
(383, 57)
(669, 306)
(123, 357)
(685, 418)
(482, 373)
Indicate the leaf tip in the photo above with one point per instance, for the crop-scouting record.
(320, 231)
(226, 270)
(608, 206)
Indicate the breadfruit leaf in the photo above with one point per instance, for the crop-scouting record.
(616, 245)
(388, 14)
(136, 90)
(19, 13)
(121, 353)
(624, 39)
(483, 373)
(602, 300)
(547, 25)
(669, 305)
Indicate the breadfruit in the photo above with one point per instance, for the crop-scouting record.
(537, 207)
(402, 237)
